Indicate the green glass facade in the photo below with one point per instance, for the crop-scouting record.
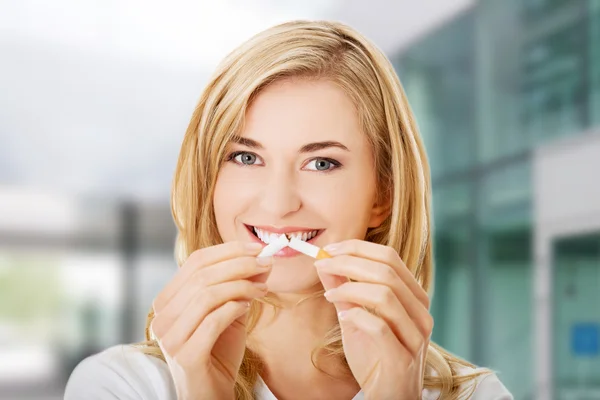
(576, 288)
(488, 87)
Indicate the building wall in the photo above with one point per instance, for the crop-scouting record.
(567, 262)
(489, 88)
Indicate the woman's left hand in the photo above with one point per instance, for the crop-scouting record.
(386, 347)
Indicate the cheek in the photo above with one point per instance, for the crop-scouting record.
(233, 194)
(345, 201)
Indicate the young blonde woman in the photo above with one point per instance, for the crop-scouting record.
(304, 129)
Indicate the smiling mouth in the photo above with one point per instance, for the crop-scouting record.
(267, 237)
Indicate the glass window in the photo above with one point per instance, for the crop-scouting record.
(498, 130)
(437, 74)
(532, 63)
(594, 49)
(451, 305)
(451, 201)
(553, 83)
(505, 196)
(534, 10)
(576, 316)
(510, 281)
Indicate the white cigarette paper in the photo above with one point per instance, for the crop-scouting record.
(273, 248)
(307, 248)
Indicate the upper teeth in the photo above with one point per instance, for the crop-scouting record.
(268, 237)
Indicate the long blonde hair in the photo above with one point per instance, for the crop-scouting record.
(314, 50)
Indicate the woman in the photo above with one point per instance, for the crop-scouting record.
(303, 130)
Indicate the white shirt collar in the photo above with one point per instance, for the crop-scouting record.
(262, 392)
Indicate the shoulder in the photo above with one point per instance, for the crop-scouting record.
(486, 386)
(122, 372)
(489, 387)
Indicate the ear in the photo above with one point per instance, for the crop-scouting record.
(379, 213)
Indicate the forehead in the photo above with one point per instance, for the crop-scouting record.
(296, 111)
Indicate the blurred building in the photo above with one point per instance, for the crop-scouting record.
(77, 275)
(507, 97)
(95, 99)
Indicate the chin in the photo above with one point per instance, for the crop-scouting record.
(294, 277)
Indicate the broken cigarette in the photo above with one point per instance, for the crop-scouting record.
(307, 248)
(273, 248)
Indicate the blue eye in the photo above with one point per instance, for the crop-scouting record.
(246, 158)
(324, 164)
(243, 158)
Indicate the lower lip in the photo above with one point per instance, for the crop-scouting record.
(286, 251)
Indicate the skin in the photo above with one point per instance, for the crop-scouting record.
(276, 185)
(201, 313)
(283, 188)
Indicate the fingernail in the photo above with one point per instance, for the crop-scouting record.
(244, 304)
(264, 261)
(332, 248)
(342, 315)
(253, 247)
(328, 293)
(261, 286)
(323, 262)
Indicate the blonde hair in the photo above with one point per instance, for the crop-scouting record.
(314, 50)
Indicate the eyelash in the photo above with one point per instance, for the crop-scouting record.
(335, 163)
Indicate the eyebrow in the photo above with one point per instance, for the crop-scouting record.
(307, 148)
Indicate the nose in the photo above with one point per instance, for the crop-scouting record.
(280, 195)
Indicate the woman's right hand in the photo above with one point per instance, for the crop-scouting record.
(200, 318)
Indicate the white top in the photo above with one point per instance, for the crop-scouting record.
(124, 372)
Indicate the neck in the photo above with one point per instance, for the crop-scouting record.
(285, 341)
(299, 319)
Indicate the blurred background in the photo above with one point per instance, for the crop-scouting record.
(94, 101)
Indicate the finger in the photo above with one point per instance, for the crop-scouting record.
(201, 259)
(369, 271)
(377, 329)
(175, 329)
(385, 304)
(225, 271)
(234, 269)
(330, 281)
(198, 348)
(385, 255)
